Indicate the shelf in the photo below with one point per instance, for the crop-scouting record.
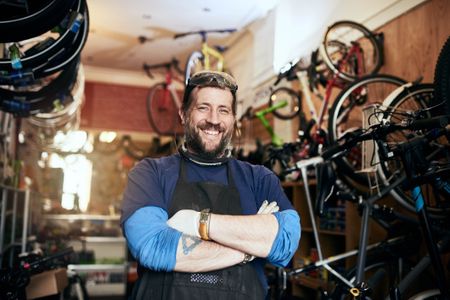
(311, 182)
(106, 289)
(98, 268)
(102, 239)
(76, 217)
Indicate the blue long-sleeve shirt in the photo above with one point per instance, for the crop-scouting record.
(154, 244)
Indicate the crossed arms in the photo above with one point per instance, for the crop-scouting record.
(158, 246)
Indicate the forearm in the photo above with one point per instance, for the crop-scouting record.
(253, 234)
(196, 255)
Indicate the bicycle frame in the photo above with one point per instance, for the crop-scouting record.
(274, 138)
(209, 52)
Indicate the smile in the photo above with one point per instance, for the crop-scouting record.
(211, 132)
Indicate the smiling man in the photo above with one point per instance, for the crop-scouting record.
(200, 223)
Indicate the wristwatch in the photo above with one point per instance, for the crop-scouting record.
(247, 258)
(203, 227)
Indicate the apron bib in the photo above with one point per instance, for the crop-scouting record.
(239, 282)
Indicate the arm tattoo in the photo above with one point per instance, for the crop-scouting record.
(189, 243)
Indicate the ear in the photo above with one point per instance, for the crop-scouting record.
(181, 114)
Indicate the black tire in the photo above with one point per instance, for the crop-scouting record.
(162, 111)
(41, 16)
(194, 64)
(332, 51)
(442, 79)
(346, 115)
(57, 51)
(293, 106)
(412, 99)
(24, 103)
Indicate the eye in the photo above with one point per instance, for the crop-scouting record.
(224, 111)
(202, 108)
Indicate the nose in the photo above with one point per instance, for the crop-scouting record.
(213, 117)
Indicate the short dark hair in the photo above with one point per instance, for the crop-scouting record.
(217, 79)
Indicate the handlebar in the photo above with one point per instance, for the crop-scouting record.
(203, 33)
(379, 131)
(376, 132)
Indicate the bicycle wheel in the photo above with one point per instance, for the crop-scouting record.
(46, 55)
(351, 51)
(346, 115)
(442, 79)
(412, 100)
(193, 65)
(293, 103)
(162, 111)
(24, 103)
(32, 19)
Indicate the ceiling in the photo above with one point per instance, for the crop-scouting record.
(116, 27)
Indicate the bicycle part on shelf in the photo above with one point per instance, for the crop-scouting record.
(346, 115)
(442, 80)
(351, 50)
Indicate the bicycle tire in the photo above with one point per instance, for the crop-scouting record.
(373, 60)
(412, 99)
(194, 64)
(24, 103)
(42, 16)
(442, 79)
(53, 51)
(345, 115)
(64, 56)
(293, 99)
(162, 111)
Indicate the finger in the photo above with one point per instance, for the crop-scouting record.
(275, 209)
(269, 207)
(263, 207)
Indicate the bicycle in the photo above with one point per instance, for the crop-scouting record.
(208, 58)
(357, 287)
(163, 101)
(350, 51)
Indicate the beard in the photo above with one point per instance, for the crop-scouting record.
(195, 143)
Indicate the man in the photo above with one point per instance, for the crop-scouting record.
(198, 222)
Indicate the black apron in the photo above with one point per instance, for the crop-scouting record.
(239, 282)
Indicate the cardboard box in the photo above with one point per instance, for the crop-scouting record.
(47, 283)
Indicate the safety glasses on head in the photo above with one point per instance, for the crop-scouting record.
(212, 78)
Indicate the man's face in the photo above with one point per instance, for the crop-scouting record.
(209, 122)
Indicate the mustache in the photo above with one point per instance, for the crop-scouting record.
(210, 126)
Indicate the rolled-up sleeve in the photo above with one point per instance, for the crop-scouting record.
(287, 240)
(150, 240)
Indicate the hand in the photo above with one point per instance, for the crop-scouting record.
(268, 208)
(186, 221)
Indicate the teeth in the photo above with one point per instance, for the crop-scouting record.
(211, 132)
